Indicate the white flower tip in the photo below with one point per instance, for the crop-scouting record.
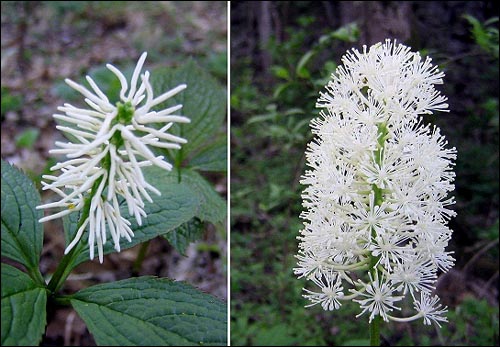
(71, 83)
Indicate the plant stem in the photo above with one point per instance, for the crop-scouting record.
(66, 265)
(379, 199)
(64, 268)
(36, 275)
(63, 300)
(375, 331)
(140, 257)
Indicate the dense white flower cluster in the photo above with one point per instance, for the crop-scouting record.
(376, 198)
(109, 146)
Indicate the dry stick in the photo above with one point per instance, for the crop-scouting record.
(479, 254)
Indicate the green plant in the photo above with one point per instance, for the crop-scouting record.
(472, 315)
(27, 138)
(484, 34)
(143, 310)
(10, 102)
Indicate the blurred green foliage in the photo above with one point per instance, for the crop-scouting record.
(484, 34)
(269, 133)
(27, 138)
(476, 316)
(10, 102)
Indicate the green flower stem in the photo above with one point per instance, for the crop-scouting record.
(379, 199)
(63, 300)
(36, 275)
(179, 157)
(66, 265)
(375, 331)
(64, 268)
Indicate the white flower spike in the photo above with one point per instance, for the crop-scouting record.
(376, 197)
(111, 145)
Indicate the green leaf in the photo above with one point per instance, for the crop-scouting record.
(280, 88)
(486, 38)
(348, 33)
(212, 207)
(181, 237)
(23, 308)
(10, 102)
(150, 311)
(204, 101)
(22, 235)
(280, 72)
(211, 158)
(177, 204)
(301, 69)
(27, 138)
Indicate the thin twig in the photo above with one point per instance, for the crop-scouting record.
(479, 254)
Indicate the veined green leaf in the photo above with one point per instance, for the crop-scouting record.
(150, 311)
(211, 158)
(23, 308)
(22, 235)
(204, 101)
(212, 207)
(182, 236)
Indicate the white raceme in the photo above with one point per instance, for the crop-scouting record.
(110, 145)
(376, 203)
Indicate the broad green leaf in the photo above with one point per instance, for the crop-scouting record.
(177, 204)
(181, 237)
(23, 308)
(211, 158)
(204, 101)
(212, 207)
(150, 311)
(22, 235)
